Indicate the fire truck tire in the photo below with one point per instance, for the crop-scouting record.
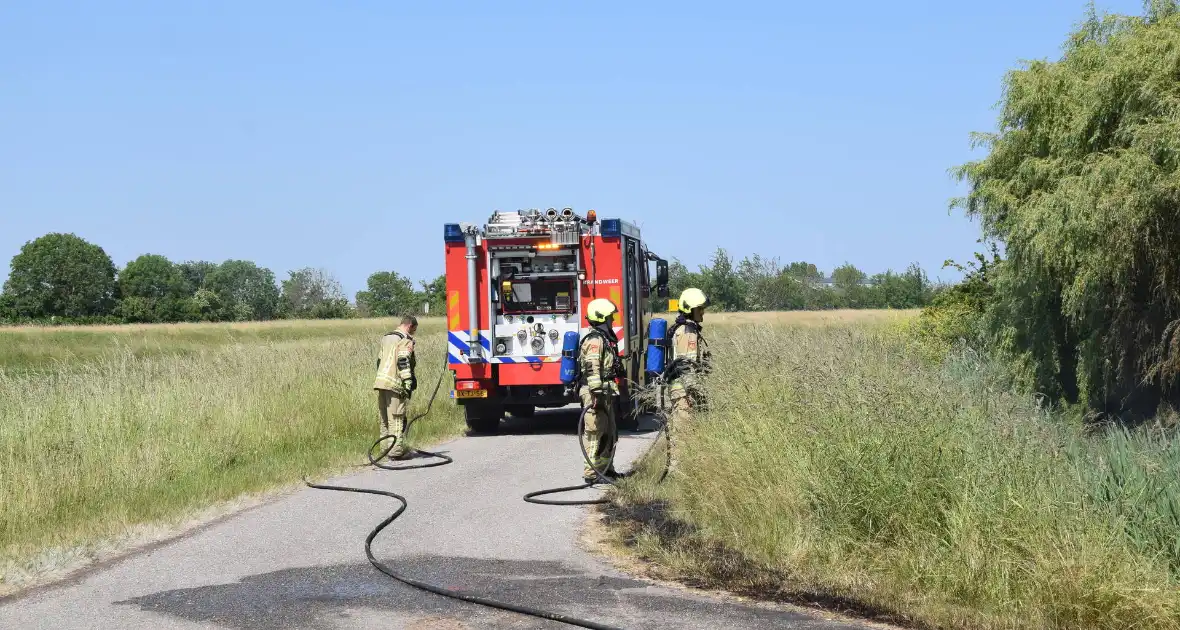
(483, 420)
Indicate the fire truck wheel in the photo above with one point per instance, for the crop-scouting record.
(481, 419)
(522, 411)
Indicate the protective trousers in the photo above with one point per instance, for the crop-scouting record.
(683, 402)
(600, 433)
(392, 407)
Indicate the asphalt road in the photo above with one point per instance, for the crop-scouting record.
(298, 561)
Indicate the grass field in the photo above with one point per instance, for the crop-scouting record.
(837, 465)
(109, 428)
(25, 348)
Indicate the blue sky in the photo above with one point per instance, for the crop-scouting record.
(342, 135)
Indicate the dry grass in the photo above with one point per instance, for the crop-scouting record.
(811, 318)
(41, 348)
(805, 318)
(835, 466)
(336, 326)
(166, 420)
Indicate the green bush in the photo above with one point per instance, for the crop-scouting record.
(957, 314)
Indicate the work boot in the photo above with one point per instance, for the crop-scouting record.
(590, 478)
(609, 475)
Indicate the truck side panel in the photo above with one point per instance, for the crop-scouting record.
(458, 324)
(604, 277)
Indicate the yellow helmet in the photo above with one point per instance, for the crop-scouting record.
(599, 310)
(692, 298)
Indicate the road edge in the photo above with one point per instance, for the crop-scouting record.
(147, 537)
(140, 539)
(605, 543)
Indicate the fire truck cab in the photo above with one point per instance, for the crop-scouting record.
(517, 284)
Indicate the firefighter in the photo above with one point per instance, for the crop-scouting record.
(598, 357)
(396, 381)
(691, 358)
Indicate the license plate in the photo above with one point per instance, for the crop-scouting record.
(471, 393)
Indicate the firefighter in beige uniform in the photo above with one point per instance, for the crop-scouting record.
(396, 381)
(598, 356)
(691, 358)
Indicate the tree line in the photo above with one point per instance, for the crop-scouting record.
(62, 278)
(757, 283)
(1078, 198)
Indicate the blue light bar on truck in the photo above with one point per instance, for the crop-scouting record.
(452, 233)
(612, 227)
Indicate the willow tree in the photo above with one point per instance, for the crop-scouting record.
(1081, 184)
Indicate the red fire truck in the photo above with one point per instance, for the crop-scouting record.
(517, 284)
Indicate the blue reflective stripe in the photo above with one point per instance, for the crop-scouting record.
(460, 345)
(455, 340)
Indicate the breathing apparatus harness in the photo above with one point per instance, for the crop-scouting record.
(608, 335)
(676, 367)
(443, 460)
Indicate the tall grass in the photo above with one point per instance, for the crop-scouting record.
(1137, 476)
(91, 448)
(835, 463)
(30, 348)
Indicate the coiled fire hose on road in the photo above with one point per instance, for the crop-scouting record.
(443, 459)
(600, 474)
(392, 439)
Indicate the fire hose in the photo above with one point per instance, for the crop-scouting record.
(443, 459)
(600, 475)
(392, 439)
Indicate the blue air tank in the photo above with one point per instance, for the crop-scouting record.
(656, 330)
(569, 357)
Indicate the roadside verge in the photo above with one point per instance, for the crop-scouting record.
(851, 474)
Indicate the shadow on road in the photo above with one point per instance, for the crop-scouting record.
(325, 597)
(563, 421)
